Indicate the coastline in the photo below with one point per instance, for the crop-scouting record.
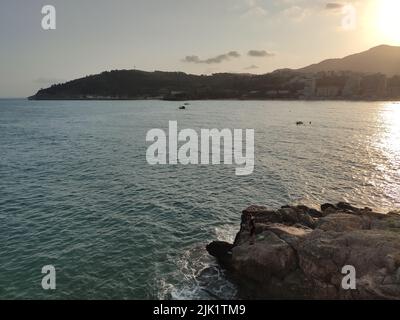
(218, 99)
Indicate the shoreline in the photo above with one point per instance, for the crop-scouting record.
(232, 99)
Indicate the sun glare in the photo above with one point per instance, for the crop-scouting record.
(388, 20)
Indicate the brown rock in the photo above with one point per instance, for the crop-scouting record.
(299, 253)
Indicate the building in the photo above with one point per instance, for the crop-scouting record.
(373, 86)
(330, 86)
(393, 87)
(352, 86)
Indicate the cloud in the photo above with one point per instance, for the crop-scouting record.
(214, 60)
(252, 67)
(255, 12)
(299, 10)
(259, 53)
(252, 9)
(296, 13)
(334, 6)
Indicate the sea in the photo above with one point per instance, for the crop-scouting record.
(77, 193)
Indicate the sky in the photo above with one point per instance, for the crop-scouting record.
(194, 36)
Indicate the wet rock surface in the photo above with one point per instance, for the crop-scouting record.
(300, 252)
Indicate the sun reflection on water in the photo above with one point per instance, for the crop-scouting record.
(390, 134)
(389, 144)
(390, 117)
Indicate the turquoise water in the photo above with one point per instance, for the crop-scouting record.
(76, 190)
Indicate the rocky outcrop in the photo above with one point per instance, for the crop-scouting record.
(300, 253)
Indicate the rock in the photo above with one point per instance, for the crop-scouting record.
(346, 207)
(222, 251)
(327, 206)
(302, 208)
(255, 261)
(314, 213)
(289, 215)
(307, 220)
(299, 253)
(342, 222)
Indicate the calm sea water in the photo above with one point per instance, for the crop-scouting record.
(76, 191)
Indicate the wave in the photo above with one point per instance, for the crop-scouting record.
(197, 275)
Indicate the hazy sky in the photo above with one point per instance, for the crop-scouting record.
(195, 36)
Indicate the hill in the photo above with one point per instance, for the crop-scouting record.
(382, 59)
(135, 84)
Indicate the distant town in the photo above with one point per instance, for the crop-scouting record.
(336, 85)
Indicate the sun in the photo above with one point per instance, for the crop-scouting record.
(388, 20)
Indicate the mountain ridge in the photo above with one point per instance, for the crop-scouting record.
(383, 59)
